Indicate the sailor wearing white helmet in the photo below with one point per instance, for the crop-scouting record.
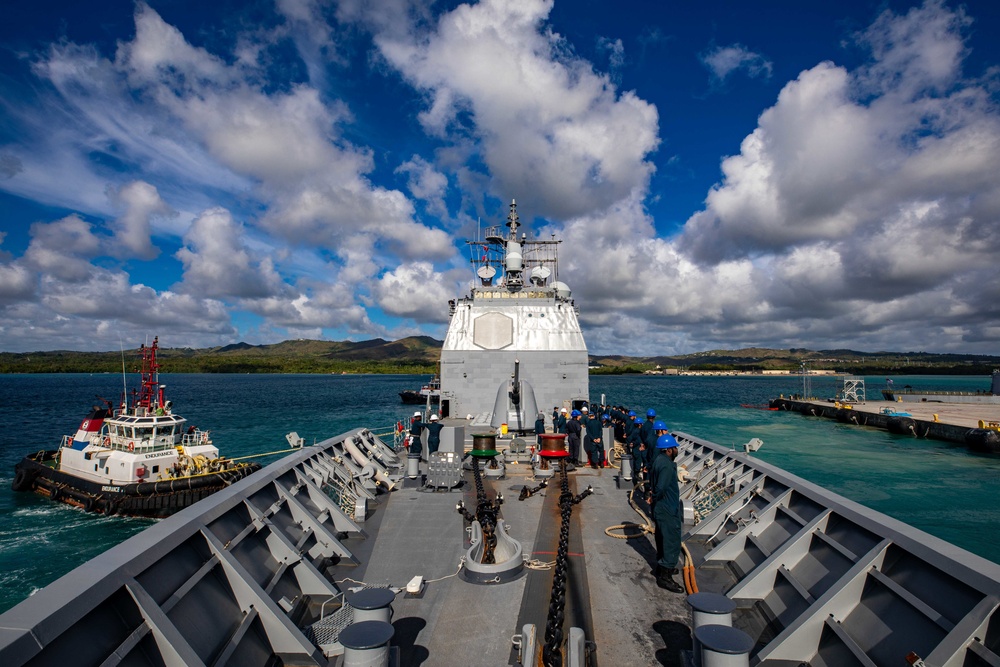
(433, 430)
(416, 426)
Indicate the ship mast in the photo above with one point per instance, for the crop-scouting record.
(151, 392)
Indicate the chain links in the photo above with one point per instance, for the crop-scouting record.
(552, 652)
(486, 514)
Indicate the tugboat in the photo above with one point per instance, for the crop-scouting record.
(136, 460)
(431, 390)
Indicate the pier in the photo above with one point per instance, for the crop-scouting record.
(975, 425)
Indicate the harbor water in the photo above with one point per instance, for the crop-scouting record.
(938, 487)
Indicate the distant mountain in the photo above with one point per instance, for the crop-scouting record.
(416, 354)
(420, 354)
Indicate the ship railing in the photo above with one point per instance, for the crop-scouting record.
(121, 443)
(397, 433)
(197, 438)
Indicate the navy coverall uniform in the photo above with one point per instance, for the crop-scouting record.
(666, 509)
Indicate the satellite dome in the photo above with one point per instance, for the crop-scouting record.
(540, 274)
(562, 289)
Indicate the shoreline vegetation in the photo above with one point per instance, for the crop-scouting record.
(418, 355)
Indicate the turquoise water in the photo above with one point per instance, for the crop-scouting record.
(940, 488)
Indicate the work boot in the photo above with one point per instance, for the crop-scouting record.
(666, 581)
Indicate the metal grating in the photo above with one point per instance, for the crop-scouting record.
(327, 629)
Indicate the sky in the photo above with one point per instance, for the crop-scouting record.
(723, 174)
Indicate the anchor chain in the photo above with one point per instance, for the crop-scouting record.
(552, 652)
(486, 514)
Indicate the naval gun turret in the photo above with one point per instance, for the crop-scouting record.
(515, 404)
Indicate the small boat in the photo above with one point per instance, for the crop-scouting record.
(430, 390)
(138, 459)
(891, 412)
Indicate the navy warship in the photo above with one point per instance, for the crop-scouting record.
(356, 551)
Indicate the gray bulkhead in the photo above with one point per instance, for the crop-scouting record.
(486, 336)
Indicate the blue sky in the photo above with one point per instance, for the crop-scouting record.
(723, 174)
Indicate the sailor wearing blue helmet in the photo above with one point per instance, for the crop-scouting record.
(659, 428)
(573, 430)
(592, 441)
(648, 438)
(664, 497)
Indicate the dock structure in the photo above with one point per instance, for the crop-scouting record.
(975, 425)
(301, 563)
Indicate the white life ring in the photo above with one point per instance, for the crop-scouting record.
(131, 446)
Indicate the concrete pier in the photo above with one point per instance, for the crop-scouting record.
(976, 426)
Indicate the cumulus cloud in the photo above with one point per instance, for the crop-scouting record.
(63, 249)
(318, 306)
(166, 128)
(865, 204)
(17, 284)
(312, 179)
(722, 61)
(426, 183)
(104, 308)
(141, 202)
(550, 130)
(415, 291)
(218, 264)
(828, 165)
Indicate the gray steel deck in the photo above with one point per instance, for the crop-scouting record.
(254, 575)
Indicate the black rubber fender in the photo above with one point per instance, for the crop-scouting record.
(900, 425)
(982, 440)
(23, 480)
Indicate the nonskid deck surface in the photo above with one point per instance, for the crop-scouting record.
(257, 572)
(454, 622)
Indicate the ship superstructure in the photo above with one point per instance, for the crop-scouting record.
(514, 343)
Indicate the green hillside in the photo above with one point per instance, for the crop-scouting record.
(420, 354)
(417, 354)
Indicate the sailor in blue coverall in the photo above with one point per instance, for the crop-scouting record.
(433, 430)
(665, 499)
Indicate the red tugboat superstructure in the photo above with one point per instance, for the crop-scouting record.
(139, 459)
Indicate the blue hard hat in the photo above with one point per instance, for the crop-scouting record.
(631, 413)
(575, 413)
(660, 426)
(651, 413)
(665, 441)
(605, 417)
